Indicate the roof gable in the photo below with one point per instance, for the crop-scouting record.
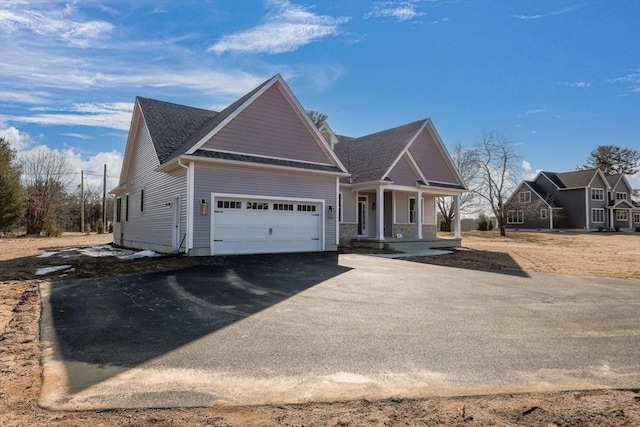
(270, 126)
(170, 125)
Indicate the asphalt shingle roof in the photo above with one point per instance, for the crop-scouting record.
(572, 179)
(170, 125)
(542, 192)
(368, 158)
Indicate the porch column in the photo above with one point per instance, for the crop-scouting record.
(419, 214)
(610, 219)
(380, 213)
(551, 218)
(457, 230)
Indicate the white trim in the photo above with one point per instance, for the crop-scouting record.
(592, 212)
(409, 210)
(131, 141)
(536, 193)
(586, 208)
(622, 211)
(419, 214)
(524, 194)
(175, 217)
(546, 213)
(517, 220)
(215, 150)
(366, 214)
(416, 168)
(405, 149)
(445, 152)
(380, 213)
(255, 165)
(322, 212)
(339, 209)
(190, 202)
(603, 194)
(394, 207)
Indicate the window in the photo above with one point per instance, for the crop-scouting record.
(282, 207)
(229, 204)
(543, 214)
(126, 208)
(141, 200)
(306, 208)
(339, 207)
(261, 206)
(597, 194)
(597, 215)
(119, 209)
(515, 217)
(525, 197)
(636, 218)
(622, 215)
(621, 196)
(412, 210)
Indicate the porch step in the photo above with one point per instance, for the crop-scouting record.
(408, 245)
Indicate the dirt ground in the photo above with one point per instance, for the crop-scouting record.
(596, 254)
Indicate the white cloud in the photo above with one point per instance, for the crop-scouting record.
(584, 85)
(632, 79)
(528, 173)
(562, 11)
(18, 140)
(53, 25)
(286, 28)
(115, 115)
(532, 112)
(30, 97)
(76, 135)
(401, 11)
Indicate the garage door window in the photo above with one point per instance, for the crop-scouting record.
(258, 206)
(229, 204)
(282, 207)
(306, 208)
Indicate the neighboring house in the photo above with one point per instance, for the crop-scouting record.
(259, 177)
(580, 200)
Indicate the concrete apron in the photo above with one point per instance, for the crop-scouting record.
(385, 328)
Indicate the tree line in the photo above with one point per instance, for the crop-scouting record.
(37, 195)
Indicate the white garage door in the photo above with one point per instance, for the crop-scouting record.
(253, 226)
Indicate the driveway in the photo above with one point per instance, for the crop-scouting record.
(295, 328)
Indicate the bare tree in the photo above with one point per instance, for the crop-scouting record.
(464, 160)
(47, 175)
(499, 165)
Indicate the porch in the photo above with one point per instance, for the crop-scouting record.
(406, 244)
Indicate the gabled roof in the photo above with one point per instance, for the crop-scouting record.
(369, 157)
(613, 179)
(618, 204)
(170, 125)
(575, 179)
(542, 193)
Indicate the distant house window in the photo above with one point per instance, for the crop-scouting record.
(525, 197)
(515, 217)
(126, 208)
(119, 209)
(597, 194)
(622, 215)
(597, 215)
(412, 210)
(621, 196)
(340, 207)
(141, 200)
(636, 218)
(543, 214)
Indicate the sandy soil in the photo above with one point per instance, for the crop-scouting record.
(613, 255)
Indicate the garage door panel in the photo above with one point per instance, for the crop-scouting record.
(281, 228)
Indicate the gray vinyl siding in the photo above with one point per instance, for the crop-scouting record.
(152, 228)
(531, 211)
(573, 203)
(621, 187)
(402, 207)
(259, 182)
(269, 127)
(349, 205)
(601, 204)
(402, 173)
(430, 160)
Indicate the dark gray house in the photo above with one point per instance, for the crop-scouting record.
(579, 200)
(259, 177)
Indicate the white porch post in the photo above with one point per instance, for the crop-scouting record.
(551, 218)
(380, 212)
(610, 219)
(419, 214)
(457, 230)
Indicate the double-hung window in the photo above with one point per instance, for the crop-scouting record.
(597, 215)
(597, 194)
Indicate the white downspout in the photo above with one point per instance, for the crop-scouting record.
(189, 221)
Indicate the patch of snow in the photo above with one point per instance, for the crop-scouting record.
(94, 252)
(46, 254)
(52, 269)
(141, 254)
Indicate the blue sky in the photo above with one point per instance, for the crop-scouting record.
(558, 77)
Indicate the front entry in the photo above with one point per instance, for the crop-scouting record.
(362, 216)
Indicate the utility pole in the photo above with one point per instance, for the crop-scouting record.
(104, 200)
(82, 201)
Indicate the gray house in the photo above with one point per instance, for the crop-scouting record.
(580, 200)
(259, 177)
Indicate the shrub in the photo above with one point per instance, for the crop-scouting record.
(617, 228)
(110, 227)
(53, 230)
(637, 229)
(600, 229)
(490, 226)
(100, 227)
(483, 223)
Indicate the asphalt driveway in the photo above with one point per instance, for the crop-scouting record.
(285, 329)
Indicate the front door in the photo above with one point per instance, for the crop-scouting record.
(362, 216)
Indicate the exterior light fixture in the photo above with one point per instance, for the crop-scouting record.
(331, 212)
(204, 208)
